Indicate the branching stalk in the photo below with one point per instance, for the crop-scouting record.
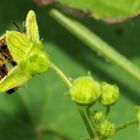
(85, 118)
(127, 124)
(82, 111)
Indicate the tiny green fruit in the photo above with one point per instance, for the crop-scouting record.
(106, 128)
(98, 116)
(109, 94)
(85, 90)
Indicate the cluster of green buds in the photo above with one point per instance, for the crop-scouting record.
(26, 50)
(105, 128)
(85, 91)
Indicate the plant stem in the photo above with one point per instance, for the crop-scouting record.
(61, 75)
(107, 111)
(68, 83)
(85, 118)
(127, 124)
(96, 43)
(91, 119)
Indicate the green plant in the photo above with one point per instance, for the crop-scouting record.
(26, 51)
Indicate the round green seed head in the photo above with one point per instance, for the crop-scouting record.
(109, 94)
(106, 128)
(85, 90)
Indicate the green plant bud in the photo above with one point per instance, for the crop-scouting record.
(106, 128)
(98, 116)
(109, 94)
(138, 113)
(26, 51)
(37, 62)
(85, 90)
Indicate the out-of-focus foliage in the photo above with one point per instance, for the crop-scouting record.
(109, 10)
(43, 103)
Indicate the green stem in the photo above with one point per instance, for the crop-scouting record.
(61, 75)
(96, 43)
(107, 111)
(68, 83)
(91, 119)
(127, 124)
(85, 118)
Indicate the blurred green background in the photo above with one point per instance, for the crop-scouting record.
(43, 103)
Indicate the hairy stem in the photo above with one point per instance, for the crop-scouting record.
(68, 83)
(127, 124)
(96, 43)
(61, 75)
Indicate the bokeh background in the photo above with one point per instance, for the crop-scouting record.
(42, 110)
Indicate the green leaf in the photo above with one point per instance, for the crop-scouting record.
(15, 78)
(108, 10)
(32, 27)
(18, 44)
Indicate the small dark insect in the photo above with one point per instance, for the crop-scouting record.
(3, 71)
(5, 57)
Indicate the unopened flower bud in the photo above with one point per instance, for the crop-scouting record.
(106, 128)
(109, 94)
(85, 90)
(98, 116)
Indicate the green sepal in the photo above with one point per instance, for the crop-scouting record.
(15, 78)
(18, 44)
(32, 27)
